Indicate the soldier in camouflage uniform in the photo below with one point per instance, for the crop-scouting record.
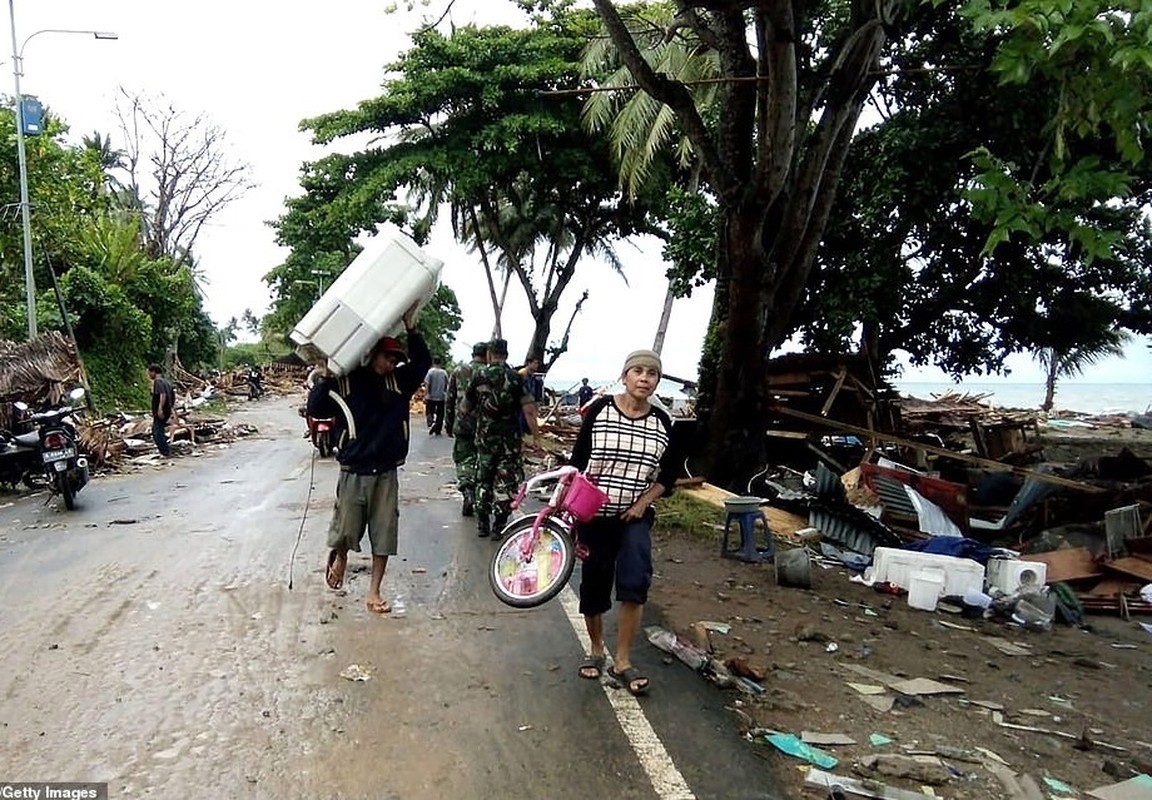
(461, 423)
(496, 395)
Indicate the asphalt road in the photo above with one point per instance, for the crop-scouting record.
(150, 639)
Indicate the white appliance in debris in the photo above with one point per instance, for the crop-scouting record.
(367, 301)
(1009, 575)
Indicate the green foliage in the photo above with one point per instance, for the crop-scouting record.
(1096, 56)
(693, 221)
(680, 511)
(937, 247)
(466, 123)
(125, 308)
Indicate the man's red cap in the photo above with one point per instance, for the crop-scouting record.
(390, 345)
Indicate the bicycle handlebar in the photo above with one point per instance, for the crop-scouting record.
(556, 474)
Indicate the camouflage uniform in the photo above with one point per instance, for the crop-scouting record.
(461, 422)
(496, 395)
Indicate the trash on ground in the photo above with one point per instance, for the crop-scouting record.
(793, 746)
(355, 672)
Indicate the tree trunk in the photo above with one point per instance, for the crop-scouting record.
(665, 316)
(1050, 382)
(734, 446)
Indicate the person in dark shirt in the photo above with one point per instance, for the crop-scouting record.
(377, 397)
(163, 401)
(585, 393)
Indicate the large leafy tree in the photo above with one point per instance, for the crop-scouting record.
(467, 123)
(917, 258)
(125, 307)
(795, 77)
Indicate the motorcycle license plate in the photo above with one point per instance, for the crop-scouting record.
(62, 454)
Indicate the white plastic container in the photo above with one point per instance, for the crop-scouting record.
(925, 588)
(367, 301)
(893, 565)
(1009, 575)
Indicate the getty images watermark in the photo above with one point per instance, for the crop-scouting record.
(53, 791)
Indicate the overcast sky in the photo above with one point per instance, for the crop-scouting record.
(258, 67)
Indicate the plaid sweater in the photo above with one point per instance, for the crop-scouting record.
(625, 456)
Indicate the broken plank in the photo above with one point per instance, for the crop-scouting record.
(1043, 477)
(1136, 567)
(1069, 564)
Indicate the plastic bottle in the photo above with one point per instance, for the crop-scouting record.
(669, 642)
(399, 607)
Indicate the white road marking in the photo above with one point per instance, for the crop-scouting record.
(662, 772)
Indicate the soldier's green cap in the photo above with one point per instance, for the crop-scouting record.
(480, 348)
(498, 347)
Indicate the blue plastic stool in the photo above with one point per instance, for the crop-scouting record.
(745, 511)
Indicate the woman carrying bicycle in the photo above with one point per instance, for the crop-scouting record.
(625, 448)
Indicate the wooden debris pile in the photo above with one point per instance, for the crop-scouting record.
(38, 372)
(111, 440)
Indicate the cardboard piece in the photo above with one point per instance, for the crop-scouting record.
(925, 686)
(867, 688)
(882, 703)
(1138, 788)
(1007, 648)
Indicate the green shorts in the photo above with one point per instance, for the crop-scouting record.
(366, 502)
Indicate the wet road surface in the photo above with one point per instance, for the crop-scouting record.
(149, 639)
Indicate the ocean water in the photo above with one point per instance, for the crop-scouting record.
(1085, 398)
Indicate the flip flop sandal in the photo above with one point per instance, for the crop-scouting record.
(628, 678)
(591, 663)
(334, 572)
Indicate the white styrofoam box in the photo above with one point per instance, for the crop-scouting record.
(893, 565)
(1009, 574)
(367, 301)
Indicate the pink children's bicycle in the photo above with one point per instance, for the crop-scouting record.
(539, 551)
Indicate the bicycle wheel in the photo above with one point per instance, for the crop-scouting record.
(529, 582)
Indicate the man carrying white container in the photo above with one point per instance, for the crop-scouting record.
(377, 395)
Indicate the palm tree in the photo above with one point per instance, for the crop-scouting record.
(1073, 361)
(642, 128)
(109, 158)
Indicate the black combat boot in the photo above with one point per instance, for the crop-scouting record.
(483, 527)
(467, 510)
(498, 523)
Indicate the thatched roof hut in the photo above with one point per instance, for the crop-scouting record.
(38, 372)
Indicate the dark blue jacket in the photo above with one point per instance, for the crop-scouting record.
(380, 409)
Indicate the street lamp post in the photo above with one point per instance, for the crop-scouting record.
(25, 213)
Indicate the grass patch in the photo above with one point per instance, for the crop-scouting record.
(683, 512)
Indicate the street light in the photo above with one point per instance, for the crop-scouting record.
(321, 274)
(25, 220)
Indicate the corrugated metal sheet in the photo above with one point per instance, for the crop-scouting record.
(851, 528)
(892, 494)
(828, 484)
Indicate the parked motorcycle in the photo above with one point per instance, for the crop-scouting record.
(20, 453)
(53, 443)
(322, 431)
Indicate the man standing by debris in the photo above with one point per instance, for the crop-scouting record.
(585, 393)
(461, 423)
(497, 396)
(367, 492)
(163, 401)
(436, 388)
